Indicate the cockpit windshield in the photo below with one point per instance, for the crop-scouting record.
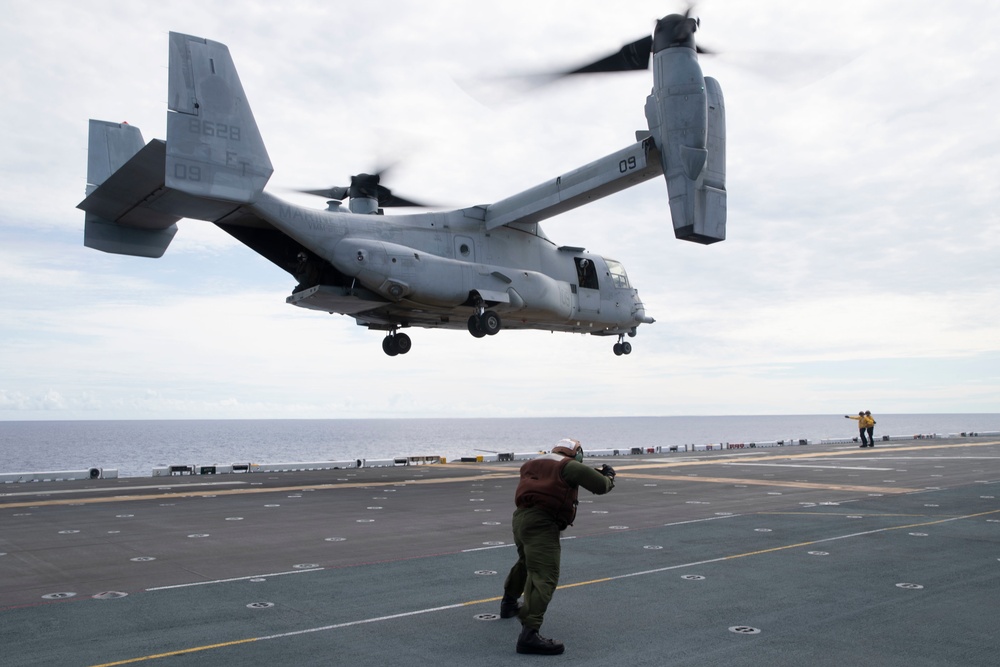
(618, 276)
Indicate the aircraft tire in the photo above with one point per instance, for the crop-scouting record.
(627, 347)
(403, 343)
(475, 327)
(389, 346)
(618, 350)
(490, 323)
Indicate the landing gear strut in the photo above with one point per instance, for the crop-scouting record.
(622, 346)
(396, 343)
(485, 323)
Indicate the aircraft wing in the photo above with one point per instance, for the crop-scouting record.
(630, 166)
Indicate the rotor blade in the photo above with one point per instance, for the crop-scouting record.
(632, 56)
(335, 192)
(387, 199)
(788, 68)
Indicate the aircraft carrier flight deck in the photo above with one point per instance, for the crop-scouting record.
(825, 554)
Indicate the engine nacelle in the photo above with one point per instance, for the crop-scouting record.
(687, 118)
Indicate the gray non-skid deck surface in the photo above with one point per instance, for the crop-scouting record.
(816, 555)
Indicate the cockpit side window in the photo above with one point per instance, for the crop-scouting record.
(618, 276)
(586, 273)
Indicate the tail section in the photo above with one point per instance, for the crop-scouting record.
(214, 148)
(110, 146)
(212, 162)
(121, 175)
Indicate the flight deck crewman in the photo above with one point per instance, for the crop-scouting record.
(866, 428)
(546, 500)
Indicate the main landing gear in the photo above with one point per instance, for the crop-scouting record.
(622, 346)
(486, 323)
(396, 343)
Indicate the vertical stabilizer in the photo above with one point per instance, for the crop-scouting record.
(214, 148)
(110, 146)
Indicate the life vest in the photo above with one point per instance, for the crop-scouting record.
(542, 485)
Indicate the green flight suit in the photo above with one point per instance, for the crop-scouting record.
(536, 535)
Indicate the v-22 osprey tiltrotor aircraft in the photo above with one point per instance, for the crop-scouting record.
(485, 268)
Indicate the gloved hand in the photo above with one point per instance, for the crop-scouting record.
(607, 471)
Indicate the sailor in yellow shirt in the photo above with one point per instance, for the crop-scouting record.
(866, 427)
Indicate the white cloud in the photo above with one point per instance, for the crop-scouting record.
(863, 224)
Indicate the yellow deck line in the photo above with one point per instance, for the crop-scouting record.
(778, 483)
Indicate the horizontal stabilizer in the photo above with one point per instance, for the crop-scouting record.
(131, 212)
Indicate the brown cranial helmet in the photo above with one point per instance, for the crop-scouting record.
(569, 447)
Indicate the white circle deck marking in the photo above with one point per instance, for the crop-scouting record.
(142, 559)
(485, 573)
(260, 605)
(109, 595)
(305, 566)
(486, 617)
(910, 587)
(335, 539)
(692, 577)
(58, 596)
(819, 553)
(744, 630)
(652, 547)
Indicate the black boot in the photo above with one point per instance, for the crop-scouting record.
(531, 642)
(509, 607)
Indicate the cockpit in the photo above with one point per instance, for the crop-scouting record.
(618, 276)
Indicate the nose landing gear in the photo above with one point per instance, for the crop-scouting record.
(622, 346)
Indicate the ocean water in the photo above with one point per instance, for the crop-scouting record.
(135, 447)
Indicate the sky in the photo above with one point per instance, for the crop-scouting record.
(860, 269)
